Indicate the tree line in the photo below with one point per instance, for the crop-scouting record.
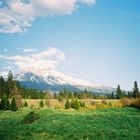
(135, 93)
(10, 88)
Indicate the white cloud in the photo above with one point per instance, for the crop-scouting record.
(29, 50)
(42, 63)
(36, 62)
(17, 15)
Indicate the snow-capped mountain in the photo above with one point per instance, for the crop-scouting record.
(55, 81)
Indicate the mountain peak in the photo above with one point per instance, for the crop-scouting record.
(56, 81)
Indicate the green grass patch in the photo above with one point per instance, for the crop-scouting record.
(60, 124)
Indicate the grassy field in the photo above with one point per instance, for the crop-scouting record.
(54, 103)
(60, 124)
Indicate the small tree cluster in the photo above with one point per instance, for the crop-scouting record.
(5, 105)
(75, 104)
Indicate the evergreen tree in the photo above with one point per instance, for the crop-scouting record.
(2, 86)
(136, 93)
(11, 83)
(75, 104)
(4, 105)
(25, 104)
(14, 105)
(60, 98)
(82, 104)
(41, 104)
(67, 104)
(119, 93)
(112, 95)
(6, 88)
(55, 95)
(130, 94)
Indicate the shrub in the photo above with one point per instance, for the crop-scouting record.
(67, 104)
(25, 104)
(13, 106)
(4, 105)
(82, 104)
(30, 118)
(60, 98)
(75, 104)
(41, 104)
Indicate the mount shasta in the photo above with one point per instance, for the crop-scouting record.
(56, 81)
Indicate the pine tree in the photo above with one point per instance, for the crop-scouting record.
(130, 94)
(13, 104)
(119, 93)
(25, 104)
(112, 95)
(75, 104)
(41, 104)
(6, 88)
(67, 104)
(2, 86)
(4, 105)
(10, 83)
(136, 93)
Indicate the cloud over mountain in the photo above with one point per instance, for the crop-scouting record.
(36, 62)
(18, 15)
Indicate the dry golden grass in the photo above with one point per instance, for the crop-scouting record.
(90, 103)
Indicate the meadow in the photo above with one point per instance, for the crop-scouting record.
(61, 124)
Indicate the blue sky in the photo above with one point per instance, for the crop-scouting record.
(101, 42)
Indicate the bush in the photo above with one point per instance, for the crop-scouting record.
(4, 105)
(25, 104)
(75, 104)
(82, 104)
(67, 104)
(41, 104)
(30, 118)
(13, 106)
(60, 98)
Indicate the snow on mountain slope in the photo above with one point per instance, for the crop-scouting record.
(56, 80)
